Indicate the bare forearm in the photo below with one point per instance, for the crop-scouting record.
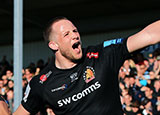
(148, 36)
(4, 108)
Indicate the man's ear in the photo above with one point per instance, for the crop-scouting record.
(53, 45)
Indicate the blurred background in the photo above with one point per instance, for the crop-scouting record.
(97, 20)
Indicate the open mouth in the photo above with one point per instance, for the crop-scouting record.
(75, 45)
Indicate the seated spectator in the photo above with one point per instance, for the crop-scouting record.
(2, 88)
(152, 75)
(136, 110)
(157, 64)
(156, 88)
(5, 80)
(24, 84)
(10, 84)
(151, 61)
(127, 103)
(126, 82)
(10, 97)
(141, 69)
(148, 109)
(126, 67)
(9, 74)
(29, 73)
(121, 75)
(149, 94)
(156, 109)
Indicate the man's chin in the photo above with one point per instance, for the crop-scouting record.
(77, 59)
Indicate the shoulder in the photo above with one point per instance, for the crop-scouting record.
(108, 46)
(107, 43)
(43, 75)
(114, 41)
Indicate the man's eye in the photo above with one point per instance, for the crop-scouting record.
(65, 34)
(75, 30)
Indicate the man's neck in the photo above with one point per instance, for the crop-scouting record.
(64, 63)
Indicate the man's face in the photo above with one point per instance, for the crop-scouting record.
(9, 73)
(1, 83)
(67, 39)
(27, 73)
(148, 92)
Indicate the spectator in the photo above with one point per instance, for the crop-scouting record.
(9, 74)
(5, 80)
(156, 109)
(136, 110)
(151, 61)
(149, 94)
(156, 88)
(127, 103)
(29, 73)
(2, 88)
(148, 109)
(10, 84)
(10, 97)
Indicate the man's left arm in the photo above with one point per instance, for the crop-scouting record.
(148, 36)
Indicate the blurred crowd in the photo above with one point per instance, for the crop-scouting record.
(139, 81)
(7, 78)
(140, 84)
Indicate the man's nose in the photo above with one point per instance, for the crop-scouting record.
(74, 36)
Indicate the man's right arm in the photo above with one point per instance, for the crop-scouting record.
(30, 96)
(4, 108)
(21, 111)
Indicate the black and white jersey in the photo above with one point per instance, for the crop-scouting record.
(89, 88)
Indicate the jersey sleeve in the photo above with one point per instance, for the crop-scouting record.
(32, 101)
(116, 51)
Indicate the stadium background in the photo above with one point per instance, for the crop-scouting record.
(96, 21)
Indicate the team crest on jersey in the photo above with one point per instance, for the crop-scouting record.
(89, 74)
(92, 55)
(44, 77)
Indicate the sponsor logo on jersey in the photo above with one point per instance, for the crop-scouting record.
(89, 74)
(92, 55)
(79, 95)
(44, 77)
(114, 41)
(63, 87)
(74, 77)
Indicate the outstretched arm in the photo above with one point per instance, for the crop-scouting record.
(148, 36)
